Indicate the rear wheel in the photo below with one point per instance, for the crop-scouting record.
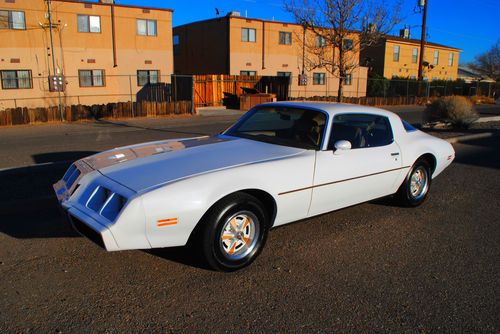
(416, 185)
(233, 232)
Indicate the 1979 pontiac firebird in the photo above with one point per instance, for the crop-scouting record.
(281, 162)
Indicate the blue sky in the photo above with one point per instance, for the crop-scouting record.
(472, 26)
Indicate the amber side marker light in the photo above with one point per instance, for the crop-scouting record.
(166, 222)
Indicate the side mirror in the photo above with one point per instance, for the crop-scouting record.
(342, 145)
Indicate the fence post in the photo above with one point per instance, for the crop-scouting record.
(192, 95)
(175, 93)
(357, 88)
(131, 97)
(407, 91)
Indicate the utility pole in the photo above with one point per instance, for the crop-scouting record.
(422, 39)
(54, 57)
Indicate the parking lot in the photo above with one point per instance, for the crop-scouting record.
(372, 268)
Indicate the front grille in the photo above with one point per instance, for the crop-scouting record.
(87, 231)
(71, 176)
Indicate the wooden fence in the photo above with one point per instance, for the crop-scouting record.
(209, 89)
(19, 116)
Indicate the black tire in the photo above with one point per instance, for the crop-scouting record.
(211, 242)
(411, 197)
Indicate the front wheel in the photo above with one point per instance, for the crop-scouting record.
(234, 232)
(416, 185)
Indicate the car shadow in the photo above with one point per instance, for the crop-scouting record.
(28, 207)
(184, 255)
(480, 152)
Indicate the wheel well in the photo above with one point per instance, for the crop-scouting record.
(264, 197)
(431, 160)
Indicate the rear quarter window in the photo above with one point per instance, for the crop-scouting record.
(408, 127)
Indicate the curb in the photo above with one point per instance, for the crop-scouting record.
(487, 119)
(483, 135)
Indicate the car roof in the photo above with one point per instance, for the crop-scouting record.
(333, 108)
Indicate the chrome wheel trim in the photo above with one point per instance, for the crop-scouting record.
(419, 183)
(239, 235)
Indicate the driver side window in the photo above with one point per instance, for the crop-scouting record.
(361, 130)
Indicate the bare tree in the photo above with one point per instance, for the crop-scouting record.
(488, 63)
(341, 29)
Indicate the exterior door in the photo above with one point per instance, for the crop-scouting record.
(367, 171)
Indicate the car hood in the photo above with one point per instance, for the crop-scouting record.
(145, 166)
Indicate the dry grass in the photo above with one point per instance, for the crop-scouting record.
(456, 110)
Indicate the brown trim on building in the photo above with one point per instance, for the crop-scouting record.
(113, 35)
(124, 6)
(417, 42)
(263, 45)
(334, 182)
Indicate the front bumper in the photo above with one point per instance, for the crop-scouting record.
(90, 228)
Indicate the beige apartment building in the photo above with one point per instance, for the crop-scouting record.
(238, 45)
(399, 57)
(106, 52)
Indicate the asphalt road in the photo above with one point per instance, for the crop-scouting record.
(369, 268)
(41, 144)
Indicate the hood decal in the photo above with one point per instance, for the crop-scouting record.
(184, 159)
(129, 153)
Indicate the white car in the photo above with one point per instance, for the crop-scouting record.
(281, 162)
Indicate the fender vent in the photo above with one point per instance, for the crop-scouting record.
(106, 203)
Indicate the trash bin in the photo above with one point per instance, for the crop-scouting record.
(252, 97)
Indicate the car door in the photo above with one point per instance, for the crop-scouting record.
(368, 170)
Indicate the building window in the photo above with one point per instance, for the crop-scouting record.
(284, 74)
(176, 40)
(395, 55)
(348, 80)
(146, 27)
(347, 44)
(145, 77)
(320, 42)
(16, 79)
(248, 73)
(318, 78)
(285, 38)
(436, 57)
(451, 59)
(248, 35)
(91, 78)
(88, 23)
(12, 20)
(414, 55)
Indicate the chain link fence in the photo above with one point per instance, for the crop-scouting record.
(94, 87)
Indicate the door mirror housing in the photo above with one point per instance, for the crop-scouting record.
(342, 145)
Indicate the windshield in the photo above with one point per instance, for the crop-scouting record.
(287, 126)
